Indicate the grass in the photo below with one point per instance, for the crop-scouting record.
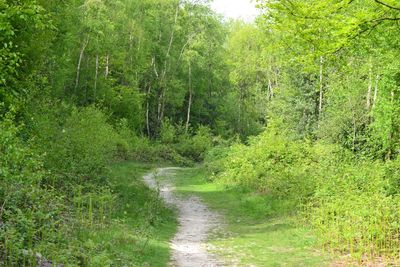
(141, 225)
(259, 231)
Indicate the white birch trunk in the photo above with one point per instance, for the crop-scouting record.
(190, 98)
(95, 78)
(78, 68)
(321, 89)
(376, 91)
(369, 92)
(107, 71)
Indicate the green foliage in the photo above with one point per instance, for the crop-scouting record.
(30, 213)
(78, 145)
(126, 103)
(215, 157)
(22, 25)
(197, 146)
(92, 82)
(168, 133)
(271, 164)
(352, 204)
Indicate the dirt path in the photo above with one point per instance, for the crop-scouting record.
(195, 223)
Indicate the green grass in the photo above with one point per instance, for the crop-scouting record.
(259, 231)
(141, 227)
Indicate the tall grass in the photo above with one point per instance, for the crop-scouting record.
(352, 204)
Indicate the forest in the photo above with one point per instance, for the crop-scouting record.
(289, 123)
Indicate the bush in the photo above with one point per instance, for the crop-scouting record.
(173, 146)
(215, 158)
(270, 164)
(352, 210)
(195, 147)
(146, 151)
(78, 147)
(352, 204)
(167, 133)
(126, 103)
(30, 214)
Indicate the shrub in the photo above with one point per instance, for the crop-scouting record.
(195, 147)
(146, 151)
(352, 210)
(29, 212)
(214, 159)
(126, 103)
(167, 133)
(78, 147)
(125, 140)
(270, 164)
(353, 204)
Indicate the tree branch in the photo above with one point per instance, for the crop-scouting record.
(387, 5)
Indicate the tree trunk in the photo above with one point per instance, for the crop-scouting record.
(190, 97)
(390, 134)
(277, 73)
(107, 71)
(95, 78)
(241, 104)
(148, 110)
(271, 73)
(270, 89)
(78, 68)
(171, 40)
(369, 89)
(376, 91)
(153, 63)
(354, 131)
(163, 101)
(321, 89)
(163, 78)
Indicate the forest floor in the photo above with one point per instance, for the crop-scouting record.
(196, 221)
(241, 228)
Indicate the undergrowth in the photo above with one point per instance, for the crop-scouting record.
(351, 203)
(61, 204)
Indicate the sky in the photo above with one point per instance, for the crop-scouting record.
(244, 9)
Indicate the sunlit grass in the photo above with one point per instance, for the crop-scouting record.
(142, 227)
(258, 230)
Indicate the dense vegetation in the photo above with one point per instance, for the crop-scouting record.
(300, 106)
(85, 84)
(330, 149)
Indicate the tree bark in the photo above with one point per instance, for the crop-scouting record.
(270, 89)
(148, 110)
(95, 78)
(78, 68)
(271, 73)
(321, 89)
(241, 104)
(354, 131)
(390, 134)
(190, 98)
(210, 83)
(107, 71)
(376, 91)
(369, 89)
(164, 72)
